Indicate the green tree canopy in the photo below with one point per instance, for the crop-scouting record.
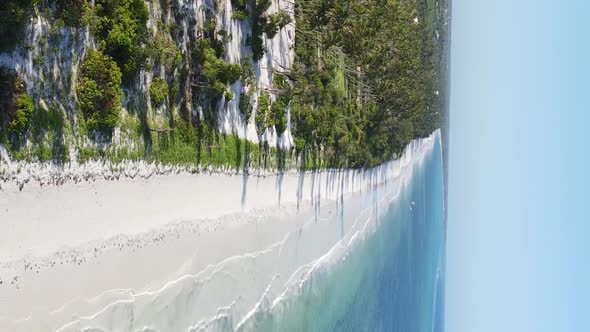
(121, 28)
(14, 14)
(99, 91)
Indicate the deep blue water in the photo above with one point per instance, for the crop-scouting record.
(393, 281)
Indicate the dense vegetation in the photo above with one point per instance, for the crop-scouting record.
(214, 72)
(16, 106)
(363, 81)
(73, 12)
(23, 109)
(120, 25)
(263, 23)
(211, 75)
(19, 119)
(14, 14)
(158, 91)
(99, 91)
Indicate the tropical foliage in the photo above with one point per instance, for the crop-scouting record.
(262, 23)
(16, 106)
(212, 73)
(120, 25)
(24, 109)
(363, 84)
(99, 91)
(72, 12)
(158, 91)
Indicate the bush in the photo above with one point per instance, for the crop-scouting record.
(282, 18)
(72, 12)
(164, 51)
(14, 14)
(158, 91)
(46, 133)
(279, 116)
(16, 106)
(216, 73)
(122, 30)
(240, 11)
(245, 106)
(99, 91)
(228, 95)
(259, 21)
(44, 153)
(261, 117)
(275, 22)
(24, 109)
(230, 72)
(240, 15)
(265, 24)
(214, 67)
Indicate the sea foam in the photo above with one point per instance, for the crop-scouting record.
(277, 255)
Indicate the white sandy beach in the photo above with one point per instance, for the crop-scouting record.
(139, 253)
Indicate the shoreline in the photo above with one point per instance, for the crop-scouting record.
(117, 238)
(15, 174)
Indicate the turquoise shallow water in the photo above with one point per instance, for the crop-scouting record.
(391, 281)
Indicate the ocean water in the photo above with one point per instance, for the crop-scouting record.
(392, 280)
(370, 260)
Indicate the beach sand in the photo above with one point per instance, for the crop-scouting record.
(140, 253)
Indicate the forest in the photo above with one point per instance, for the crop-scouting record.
(365, 81)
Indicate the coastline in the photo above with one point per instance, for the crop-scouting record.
(187, 224)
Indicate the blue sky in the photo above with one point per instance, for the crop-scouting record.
(518, 242)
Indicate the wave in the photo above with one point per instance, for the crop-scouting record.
(341, 274)
(168, 308)
(269, 280)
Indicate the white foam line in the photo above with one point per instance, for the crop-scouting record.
(322, 261)
(216, 269)
(221, 313)
(258, 304)
(398, 172)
